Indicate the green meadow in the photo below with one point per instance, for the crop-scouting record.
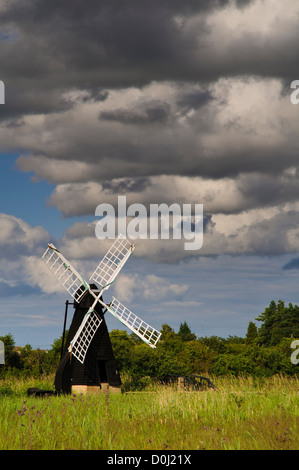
(240, 414)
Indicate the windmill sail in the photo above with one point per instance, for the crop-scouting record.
(103, 276)
(138, 326)
(82, 339)
(71, 280)
(113, 261)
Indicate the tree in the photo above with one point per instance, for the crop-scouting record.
(122, 345)
(215, 343)
(12, 358)
(34, 360)
(278, 322)
(251, 334)
(185, 332)
(144, 361)
(267, 318)
(196, 358)
(166, 331)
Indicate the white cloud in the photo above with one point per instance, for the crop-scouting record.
(241, 127)
(230, 24)
(150, 287)
(21, 245)
(37, 274)
(17, 233)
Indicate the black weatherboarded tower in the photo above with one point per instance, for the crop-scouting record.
(88, 362)
(99, 368)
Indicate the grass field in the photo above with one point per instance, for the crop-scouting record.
(245, 414)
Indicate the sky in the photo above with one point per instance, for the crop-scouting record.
(162, 102)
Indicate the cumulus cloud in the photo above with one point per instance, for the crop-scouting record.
(226, 195)
(245, 127)
(181, 102)
(112, 42)
(129, 287)
(17, 238)
(107, 42)
(20, 243)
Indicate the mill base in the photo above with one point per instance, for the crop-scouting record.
(94, 389)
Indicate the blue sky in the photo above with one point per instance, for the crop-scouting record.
(29, 199)
(224, 292)
(175, 104)
(23, 198)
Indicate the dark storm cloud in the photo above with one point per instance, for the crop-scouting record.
(60, 59)
(83, 44)
(96, 95)
(148, 114)
(115, 43)
(270, 189)
(26, 101)
(194, 99)
(48, 48)
(126, 185)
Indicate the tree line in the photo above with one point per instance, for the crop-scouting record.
(265, 350)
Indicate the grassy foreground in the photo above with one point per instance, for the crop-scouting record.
(245, 414)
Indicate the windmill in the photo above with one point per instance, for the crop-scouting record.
(87, 360)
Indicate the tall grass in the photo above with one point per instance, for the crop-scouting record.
(242, 413)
